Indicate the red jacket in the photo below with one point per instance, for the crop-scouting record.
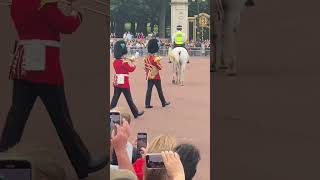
(46, 23)
(138, 168)
(122, 67)
(151, 59)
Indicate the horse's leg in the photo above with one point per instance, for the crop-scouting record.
(183, 68)
(179, 74)
(174, 73)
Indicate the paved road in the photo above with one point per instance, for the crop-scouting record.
(188, 118)
(267, 119)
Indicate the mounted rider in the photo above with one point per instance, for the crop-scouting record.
(179, 38)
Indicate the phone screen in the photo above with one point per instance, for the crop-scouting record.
(154, 161)
(15, 170)
(142, 141)
(115, 118)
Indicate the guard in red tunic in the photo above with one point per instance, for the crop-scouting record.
(36, 72)
(121, 83)
(152, 67)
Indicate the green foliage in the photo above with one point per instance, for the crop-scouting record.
(129, 10)
(202, 5)
(123, 11)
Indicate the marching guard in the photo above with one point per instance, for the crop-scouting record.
(36, 72)
(121, 83)
(152, 67)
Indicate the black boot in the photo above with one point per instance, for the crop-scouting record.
(166, 104)
(98, 164)
(139, 114)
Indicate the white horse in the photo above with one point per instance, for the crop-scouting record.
(179, 57)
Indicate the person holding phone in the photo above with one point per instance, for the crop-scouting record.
(121, 83)
(155, 163)
(152, 68)
(119, 142)
(133, 153)
(36, 72)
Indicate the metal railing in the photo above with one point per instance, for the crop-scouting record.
(163, 51)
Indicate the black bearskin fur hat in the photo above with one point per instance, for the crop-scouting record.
(153, 46)
(120, 49)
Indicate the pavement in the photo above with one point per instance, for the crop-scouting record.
(188, 116)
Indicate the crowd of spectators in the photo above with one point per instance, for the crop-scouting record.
(180, 160)
(137, 44)
(139, 40)
(191, 44)
(128, 36)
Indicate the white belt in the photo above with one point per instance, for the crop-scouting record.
(40, 42)
(120, 78)
(124, 75)
(35, 53)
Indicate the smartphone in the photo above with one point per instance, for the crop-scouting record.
(141, 141)
(115, 118)
(15, 170)
(154, 161)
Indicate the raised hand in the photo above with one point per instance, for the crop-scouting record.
(173, 165)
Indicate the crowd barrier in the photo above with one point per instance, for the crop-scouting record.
(163, 51)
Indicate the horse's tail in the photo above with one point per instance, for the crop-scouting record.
(179, 56)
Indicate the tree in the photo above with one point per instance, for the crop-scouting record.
(162, 18)
(142, 12)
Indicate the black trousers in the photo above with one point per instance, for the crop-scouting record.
(157, 83)
(53, 97)
(127, 94)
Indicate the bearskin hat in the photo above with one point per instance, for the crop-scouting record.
(120, 49)
(153, 46)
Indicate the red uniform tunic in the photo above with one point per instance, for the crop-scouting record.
(122, 67)
(152, 62)
(46, 23)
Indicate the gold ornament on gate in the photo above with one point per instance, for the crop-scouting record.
(203, 21)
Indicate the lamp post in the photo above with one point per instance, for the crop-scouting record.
(198, 12)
